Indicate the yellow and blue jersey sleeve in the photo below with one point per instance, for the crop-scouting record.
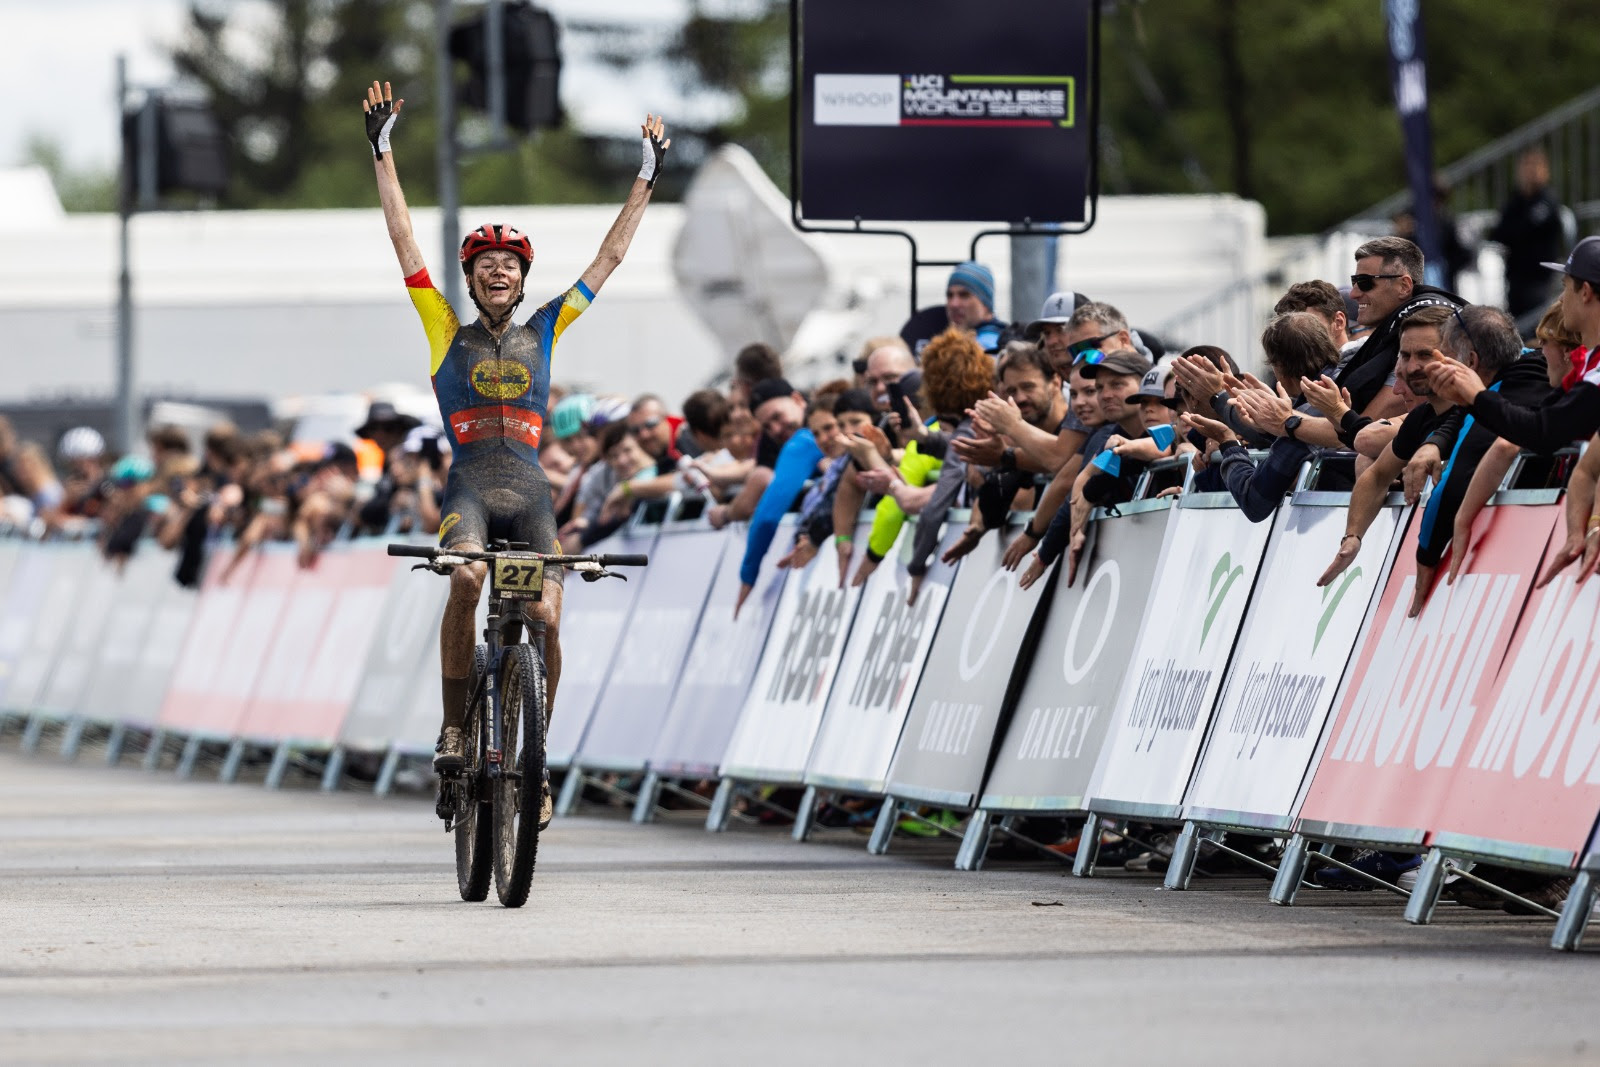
(552, 320)
(439, 320)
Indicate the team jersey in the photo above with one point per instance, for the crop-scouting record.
(492, 392)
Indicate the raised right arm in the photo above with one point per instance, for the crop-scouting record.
(381, 112)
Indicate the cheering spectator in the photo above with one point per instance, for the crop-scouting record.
(781, 412)
(1324, 301)
(968, 306)
(387, 429)
(82, 452)
(1533, 229)
(754, 364)
(836, 414)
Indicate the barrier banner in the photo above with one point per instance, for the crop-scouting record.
(129, 624)
(145, 687)
(883, 661)
(1294, 648)
(404, 657)
(593, 618)
(1416, 684)
(421, 713)
(783, 710)
(313, 666)
(1063, 712)
(27, 571)
(944, 748)
(650, 659)
(67, 569)
(1180, 655)
(75, 654)
(722, 661)
(1527, 785)
(227, 643)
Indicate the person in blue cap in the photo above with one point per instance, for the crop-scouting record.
(968, 306)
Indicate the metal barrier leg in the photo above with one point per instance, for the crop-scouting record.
(571, 790)
(975, 844)
(644, 808)
(32, 733)
(386, 773)
(806, 816)
(1425, 894)
(334, 769)
(1185, 850)
(883, 829)
(1575, 914)
(1291, 869)
(114, 742)
(72, 737)
(280, 765)
(191, 752)
(230, 765)
(153, 749)
(721, 807)
(1088, 847)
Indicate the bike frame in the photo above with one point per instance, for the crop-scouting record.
(505, 618)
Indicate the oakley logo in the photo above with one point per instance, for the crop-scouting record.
(1331, 606)
(1223, 575)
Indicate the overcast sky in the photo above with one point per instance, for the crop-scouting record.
(57, 68)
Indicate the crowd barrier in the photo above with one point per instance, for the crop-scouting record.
(1193, 676)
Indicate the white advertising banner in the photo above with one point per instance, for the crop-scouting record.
(69, 569)
(783, 710)
(131, 622)
(1180, 655)
(404, 657)
(80, 639)
(878, 676)
(1292, 652)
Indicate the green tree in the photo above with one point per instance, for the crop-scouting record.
(79, 189)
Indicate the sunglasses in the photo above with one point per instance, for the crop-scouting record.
(1080, 348)
(1368, 282)
(648, 424)
(1461, 322)
(1089, 355)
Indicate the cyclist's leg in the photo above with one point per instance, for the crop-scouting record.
(464, 528)
(535, 524)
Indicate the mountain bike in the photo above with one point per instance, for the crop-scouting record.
(492, 804)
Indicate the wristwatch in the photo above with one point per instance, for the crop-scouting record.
(1290, 425)
(1008, 460)
(1218, 400)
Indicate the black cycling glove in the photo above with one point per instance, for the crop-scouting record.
(655, 153)
(380, 122)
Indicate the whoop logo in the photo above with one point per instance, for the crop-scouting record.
(1222, 579)
(857, 100)
(1109, 577)
(969, 667)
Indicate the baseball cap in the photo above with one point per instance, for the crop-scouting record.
(1151, 385)
(769, 389)
(1058, 309)
(1121, 361)
(1583, 262)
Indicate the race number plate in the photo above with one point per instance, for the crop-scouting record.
(518, 578)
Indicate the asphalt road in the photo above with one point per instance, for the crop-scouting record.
(143, 919)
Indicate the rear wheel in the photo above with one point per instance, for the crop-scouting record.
(474, 824)
(518, 796)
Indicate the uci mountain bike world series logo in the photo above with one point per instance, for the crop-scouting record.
(1042, 100)
(501, 379)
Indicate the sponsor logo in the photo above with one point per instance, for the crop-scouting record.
(1056, 733)
(496, 421)
(1416, 694)
(949, 728)
(1107, 577)
(1274, 703)
(891, 651)
(1223, 575)
(1330, 605)
(1042, 100)
(1169, 700)
(806, 659)
(970, 665)
(448, 524)
(500, 379)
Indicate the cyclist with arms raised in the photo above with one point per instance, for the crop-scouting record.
(492, 380)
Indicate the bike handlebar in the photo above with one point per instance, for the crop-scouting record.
(608, 560)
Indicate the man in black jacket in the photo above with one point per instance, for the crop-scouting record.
(1387, 288)
(1532, 230)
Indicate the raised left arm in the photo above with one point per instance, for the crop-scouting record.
(620, 236)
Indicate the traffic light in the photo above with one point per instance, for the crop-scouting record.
(169, 146)
(532, 51)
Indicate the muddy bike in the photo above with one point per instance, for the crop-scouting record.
(493, 803)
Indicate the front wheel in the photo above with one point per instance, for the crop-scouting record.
(474, 825)
(518, 795)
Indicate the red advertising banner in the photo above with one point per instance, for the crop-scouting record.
(1529, 782)
(1417, 686)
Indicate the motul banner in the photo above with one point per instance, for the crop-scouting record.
(593, 618)
(1527, 782)
(1180, 656)
(313, 667)
(944, 748)
(784, 708)
(1296, 642)
(883, 660)
(1064, 710)
(650, 658)
(1416, 685)
(722, 661)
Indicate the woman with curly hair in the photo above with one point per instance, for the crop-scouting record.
(956, 373)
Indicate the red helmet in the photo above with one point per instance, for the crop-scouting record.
(492, 237)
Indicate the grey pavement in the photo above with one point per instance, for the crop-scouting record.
(144, 919)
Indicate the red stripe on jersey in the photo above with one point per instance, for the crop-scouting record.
(491, 421)
(419, 280)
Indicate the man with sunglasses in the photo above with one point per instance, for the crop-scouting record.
(1387, 289)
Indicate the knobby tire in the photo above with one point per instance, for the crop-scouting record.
(474, 828)
(517, 797)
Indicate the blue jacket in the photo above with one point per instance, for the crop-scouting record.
(796, 462)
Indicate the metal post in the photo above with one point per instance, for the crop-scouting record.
(449, 191)
(494, 27)
(127, 411)
(1032, 273)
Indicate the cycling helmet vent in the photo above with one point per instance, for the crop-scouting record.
(494, 236)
